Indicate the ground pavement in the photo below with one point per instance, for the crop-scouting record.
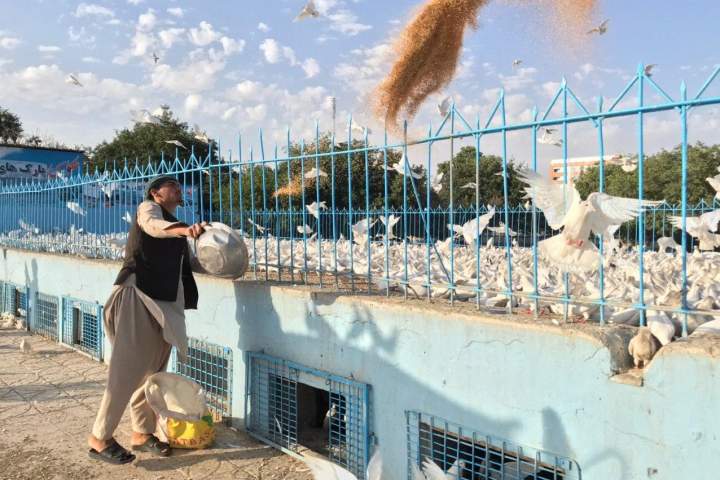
(48, 401)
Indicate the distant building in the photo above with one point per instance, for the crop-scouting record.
(23, 162)
(577, 165)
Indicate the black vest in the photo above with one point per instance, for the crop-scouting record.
(156, 264)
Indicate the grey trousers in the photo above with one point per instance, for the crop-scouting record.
(138, 351)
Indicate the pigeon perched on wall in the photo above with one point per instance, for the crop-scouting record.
(643, 347)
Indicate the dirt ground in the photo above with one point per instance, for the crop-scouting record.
(48, 401)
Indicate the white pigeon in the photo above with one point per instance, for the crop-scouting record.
(660, 326)
(516, 63)
(663, 243)
(547, 139)
(500, 230)
(435, 184)
(400, 168)
(127, 217)
(73, 80)
(144, 116)
(473, 228)
(75, 208)
(431, 471)
(25, 346)
(260, 228)
(315, 207)
(562, 206)
(391, 221)
(177, 143)
(703, 228)
(361, 228)
(444, 107)
(715, 183)
(600, 29)
(628, 164)
(108, 188)
(200, 134)
(28, 227)
(304, 229)
(314, 172)
(308, 11)
(469, 186)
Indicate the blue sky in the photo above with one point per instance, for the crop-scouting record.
(233, 67)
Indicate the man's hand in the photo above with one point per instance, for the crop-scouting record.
(194, 231)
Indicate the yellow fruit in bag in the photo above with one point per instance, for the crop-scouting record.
(188, 434)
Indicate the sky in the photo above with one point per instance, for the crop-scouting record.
(235, 67)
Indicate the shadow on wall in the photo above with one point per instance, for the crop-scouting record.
(261, 330)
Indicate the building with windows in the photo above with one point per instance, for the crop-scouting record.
(577, 165)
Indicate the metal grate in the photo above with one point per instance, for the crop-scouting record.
(209, 365)
(272, 396)
(7, 301)
(81, 326)
(44, 320)
(476, 456)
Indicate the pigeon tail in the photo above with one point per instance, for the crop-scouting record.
(570, 257)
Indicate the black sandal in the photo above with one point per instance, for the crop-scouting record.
(113, 454)
(153, 445)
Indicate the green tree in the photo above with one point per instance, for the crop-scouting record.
(10, 126)
(146, 142)
(662, 174)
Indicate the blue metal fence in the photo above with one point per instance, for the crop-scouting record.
(313, 214)
(279, 413)
(211, 366)
(81, 326)
(463, 452)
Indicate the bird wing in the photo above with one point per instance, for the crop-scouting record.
(692, 224)
(714, 182)
(608, 210)
(325, 470)
(374, 468)
(432, 471)
(711, 219)
(554, 199)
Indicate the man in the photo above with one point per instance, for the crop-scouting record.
(144, 318)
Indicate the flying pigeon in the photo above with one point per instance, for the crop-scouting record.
(200, 134)
(392, 219)
(314, 209)
(648, 69)
(304, 229)
(127, 217)
(313, 172)
(715, 184)
(547, 139)
(431, 471)
(436, 185)
(471, 229)
(308, 11)
(73, 80)
(469, 186)
(628, 164)
(177, 143)
(563, 207)
(155, 58)
(400, 168)
(260, 228)
(75, 208)
(444, 107)
(516, 63)
(144, 116)
(703, 228)
(600, 29)
(643, 347)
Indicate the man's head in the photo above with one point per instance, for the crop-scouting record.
(165, 191)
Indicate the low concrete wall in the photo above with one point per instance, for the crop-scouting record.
(534, 383)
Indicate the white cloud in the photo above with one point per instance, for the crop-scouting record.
(523, 78)
(9, 43)
(203, 35)
(170, 36)
(90, 60)
(176, 12)
(192, 102)
(80, 36)
(193, 76)
(135, 2)
(48, 48)
(289, 55)
(344, 21)
(310, 67)
(272, 50)
(263, 27)
(366, 68)
(147, 20)
(92, 9)
(231, 46)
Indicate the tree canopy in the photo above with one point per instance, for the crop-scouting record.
(10, 126)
